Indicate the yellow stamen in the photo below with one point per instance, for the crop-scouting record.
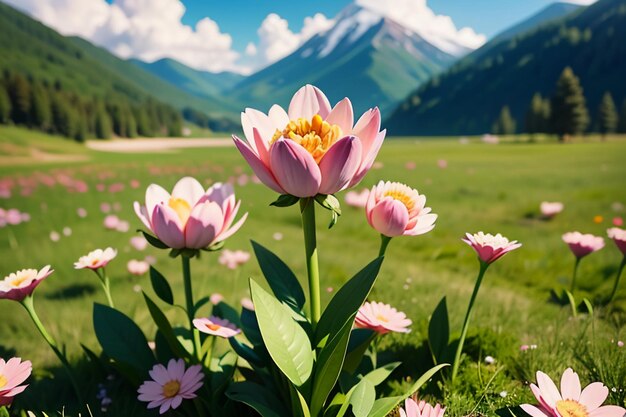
(181, 207)
(3, 381)
(571, 408)
(94, 262)
(171, 388)
(213, 327)
(19, 280)
(402, 197)
(382, 318)
(316, 136)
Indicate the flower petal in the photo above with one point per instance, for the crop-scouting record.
(389, 217)
(307, 102)
(368, 160)
(205, 222)
(142, 213)
(167, 226)
(155, 194)
(594, 395)
(339, 164)
(367, 128)
(278, 116)
(188, 189)
(533, 411)
(252, 119)
(608, 411)
(342, 115)
(259, 168)
(570, 385)
(295, 169)
(231, 231)
(549, 391)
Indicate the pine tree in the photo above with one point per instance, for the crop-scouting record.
(505, 124)
(607, 115)
(546, 114)
(19, 92)
(40, 113)
(102, 122)
(621, 127)
(64, 117)
(5, 105)
(534, 115)
(569, 111)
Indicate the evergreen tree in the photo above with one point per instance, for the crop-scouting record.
(505, 124)
(40, 112)
(569, 111)
(546, 113)
(621, 127)
(534, 115)
(19, 92)
(64, 117)
(102, 127)
(131, 124)
(607, 115)
(81, 129)
(5, 105)
(175, 126)
(144, 127)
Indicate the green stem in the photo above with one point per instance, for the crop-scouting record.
(573, 287)
(619, 274)
(459, 349)
(384, 242)
(30, 308)
(190, 305)
(106, 286)
(307, 208)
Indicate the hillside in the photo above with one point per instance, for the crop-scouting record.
(467, 98)
(371, 59)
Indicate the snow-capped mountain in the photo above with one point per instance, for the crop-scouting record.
(366, 56)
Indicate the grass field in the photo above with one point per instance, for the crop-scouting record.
(494, 188)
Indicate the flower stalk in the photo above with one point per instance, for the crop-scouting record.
(619, 274)
(106, 286)
(307, 209)
(190, 305)
(574, 274)
(384, 242)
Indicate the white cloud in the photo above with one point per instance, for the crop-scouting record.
(437, 29)
(251, 49)
(581, 2)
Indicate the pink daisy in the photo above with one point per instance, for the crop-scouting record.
(96, 259)
(18, 285)
(12, 374)
(216, 327)
(381, 318)
(490, 248)
(413, 408)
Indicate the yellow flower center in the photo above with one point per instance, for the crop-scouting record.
(18, 281)
(402, 197)
(171, 388)
(571, 408)
(3, 381)
(382, 318)
(181, 207)
(316, 136)
(213, 327)
(94, 262)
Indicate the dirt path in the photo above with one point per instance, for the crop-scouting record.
(155, 144)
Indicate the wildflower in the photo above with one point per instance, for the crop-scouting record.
(96, 259)
(550, 209)
(136, 267)
(18, 285)
(12, 373)
(232, 259)
(490, 248)
(216, 327)
(583, 244)
(412, 408)
(357, 199)
(382, 318)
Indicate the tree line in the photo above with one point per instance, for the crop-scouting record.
(40, 105)
(565, 113)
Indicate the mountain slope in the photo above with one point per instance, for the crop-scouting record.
(198, 83)
(468, 97)
(373, 60)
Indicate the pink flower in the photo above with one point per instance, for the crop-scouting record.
(12, 374)
(111, 222)
(247, 303)
(138, 242)
(490, 248)
(394, 209)
(357, 199)
(311, 149)
(96, 259)
(550, 209)
(136, 267)
(190, 217)
(216, 327)
(583, 244)
(619, 237)
(570, 402)
(232, 259)
(618, 221)
(170, 386)
(82, 213)
(216, 298)
(412, 408)
(18, 285)
(381, 318)
(442, 163)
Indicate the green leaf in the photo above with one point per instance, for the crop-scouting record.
(285, 200)
(285, 340)
(160, 286)
(282, 281)
(162, 348)
(250, 327)
(588, 306)
(121, 339)
(224, 311)
(153, 240)
(246, 352)
(165, 328)
(360, 340)
(328, 366)
(222, 370)
(383, 406)
(439, 331)
(347, 301)
(572, 303)
(362, 399)
(258, 397)
(379, 375)
(329, 202)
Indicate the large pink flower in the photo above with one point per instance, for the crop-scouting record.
(170, 386)
(571, 401)
(382, 318)
(583, 244)
(216, 326)
(190, 217)
(413, 408)
(394, 209)
(490, 248)
(18, 285)
(619, 237)
(12, 374)
(311, 149)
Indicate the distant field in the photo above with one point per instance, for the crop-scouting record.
(472, 187)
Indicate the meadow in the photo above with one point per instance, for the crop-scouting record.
(471, 185)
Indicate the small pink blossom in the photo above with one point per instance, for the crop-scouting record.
(619, 237)
(232, 259)
(170, 386)
(524, 348)
(382, 318)
(442, 163)
(82, 213)
(122, 226)
(247, 303)
(105, 208)
(135, 183)
(216, 298)
(357, 199)
(571, 401)
(216, 326)
(277, 236)
(490, 248)
(139, 242)
(96, 259)
(55, 236)
(583, 244)
(136, 267)
(550, 209)
(412, 408)
(111, 222)
(12, 373)
(18, 285)
(67, 231)
(620, 343)
(618, 221)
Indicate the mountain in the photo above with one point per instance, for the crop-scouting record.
(371, 59)
(198, 83)
(468, 97)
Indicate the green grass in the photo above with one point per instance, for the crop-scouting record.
(484, 187)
